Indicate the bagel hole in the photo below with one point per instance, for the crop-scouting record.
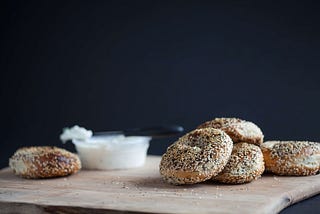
(195, 144)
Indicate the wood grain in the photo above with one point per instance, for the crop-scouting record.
(142, 190)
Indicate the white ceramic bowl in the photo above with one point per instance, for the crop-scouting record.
(112, 152)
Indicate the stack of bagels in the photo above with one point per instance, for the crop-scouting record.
(232, 151)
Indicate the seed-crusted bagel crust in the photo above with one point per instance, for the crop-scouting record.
(245, 165)
(196, 156)
(297, 158)
(239, 130)
(44, 162)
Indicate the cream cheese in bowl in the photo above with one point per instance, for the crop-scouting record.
(108, 152)
(112, 152)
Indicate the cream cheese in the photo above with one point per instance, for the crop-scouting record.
(75, 133)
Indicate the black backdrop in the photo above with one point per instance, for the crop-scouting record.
(120, 64)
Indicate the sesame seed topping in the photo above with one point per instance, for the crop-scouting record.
(196, 156)
(292, 157)
(245, 165)
(239, 130)
(44, 162)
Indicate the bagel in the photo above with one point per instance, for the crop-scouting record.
(196, 156)
(245, 165)
(44, 162)
(299, 158)
(239, 130)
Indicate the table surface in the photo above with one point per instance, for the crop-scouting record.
(310, 206)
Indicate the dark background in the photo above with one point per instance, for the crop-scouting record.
(109, 65)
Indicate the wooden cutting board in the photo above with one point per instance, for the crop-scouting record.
(143, 191)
